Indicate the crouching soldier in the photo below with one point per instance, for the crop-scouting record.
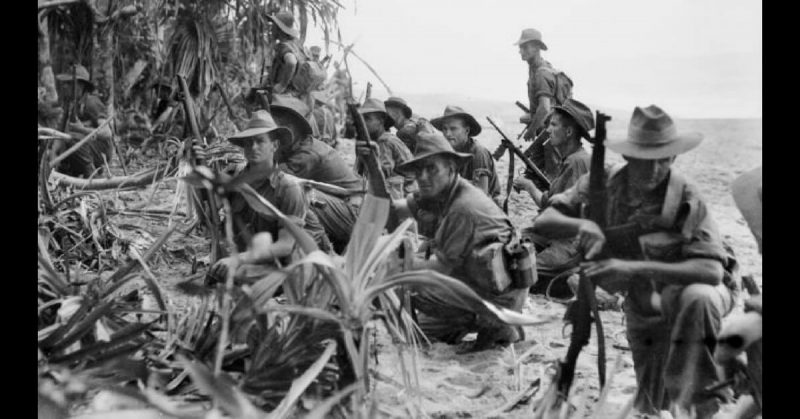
(662, 247)
(393, 152)
(259, 141)
(470, 238)
(309, 158)
(90, 114)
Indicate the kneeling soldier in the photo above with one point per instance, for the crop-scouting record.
(663, 248)
(471, 235)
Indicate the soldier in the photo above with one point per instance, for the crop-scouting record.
(460, 128)
(666, 253)
(567, 125)
(470, 233)
(309, 158)
(286, 61)
(404, 121)
(90, 114)
(546, 87)
(316, 52)
(392, 151)
(260, 141)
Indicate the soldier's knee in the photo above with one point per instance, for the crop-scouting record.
(701, 297)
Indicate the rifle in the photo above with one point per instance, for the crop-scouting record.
(369, 167)
(532, 171)
(584, 308)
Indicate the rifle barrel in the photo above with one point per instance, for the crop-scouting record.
(528, 163)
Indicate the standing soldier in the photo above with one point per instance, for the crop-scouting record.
(286, 60)
(547, 87)
(662, 247)
(460, 128)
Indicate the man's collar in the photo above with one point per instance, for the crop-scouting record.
(468, 146)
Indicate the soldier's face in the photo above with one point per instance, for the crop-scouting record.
(528, 50)
(648, 174)
(456, 132)
(559, 131)
(260, 149)
(374, 123)
(433, 175)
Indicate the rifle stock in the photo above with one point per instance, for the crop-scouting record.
(532, 169)
(584, 308)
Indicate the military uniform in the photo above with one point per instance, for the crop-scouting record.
(671, 344)
(542, 83)
(312, 159)
(469, 221)
(286, 194)
(481, 164)
(97, 151)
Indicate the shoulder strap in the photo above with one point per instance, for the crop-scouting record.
(672, 200)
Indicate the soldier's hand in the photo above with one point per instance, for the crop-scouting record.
(590, 239)
(529, 135)
(612, 275)
(525, 119)
(365, 149)
(523, 183)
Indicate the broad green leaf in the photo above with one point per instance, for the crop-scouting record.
(369, 226)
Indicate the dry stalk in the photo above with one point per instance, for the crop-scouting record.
(80, 143)
(226, 296)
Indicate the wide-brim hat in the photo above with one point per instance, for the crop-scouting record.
(531, 35)
(260, 123)
(285, 22)
(400, 103)
(652, 135)
(80, 74)
(293, 107)
(580, 113)
(451, 111)
(431, 143)
(747, 194)
(376, 106)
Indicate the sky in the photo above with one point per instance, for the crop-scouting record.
(695, 59)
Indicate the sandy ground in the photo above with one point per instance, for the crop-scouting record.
(456, 385)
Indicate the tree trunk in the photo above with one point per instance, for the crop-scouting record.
(46, 76)
(106, 44)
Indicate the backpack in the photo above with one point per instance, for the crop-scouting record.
(310, 75)
(563, 88)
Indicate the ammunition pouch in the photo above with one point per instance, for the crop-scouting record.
(488, 266)
(521, 259)
(502, 267)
